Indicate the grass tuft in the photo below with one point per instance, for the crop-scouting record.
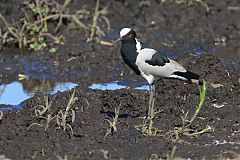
(64, 117)
(113, 124)
(146, 128)
(68, 112)
(186, 123)
(41, 112)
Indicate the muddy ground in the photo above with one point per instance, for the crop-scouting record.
(204, 42)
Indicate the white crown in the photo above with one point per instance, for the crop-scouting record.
(124, 31)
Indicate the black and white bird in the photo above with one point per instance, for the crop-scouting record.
(151, 64)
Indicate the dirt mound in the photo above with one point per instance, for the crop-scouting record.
(89, 140)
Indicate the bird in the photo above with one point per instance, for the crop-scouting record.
(151, 64)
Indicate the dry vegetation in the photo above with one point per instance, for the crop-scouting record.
(33, 31)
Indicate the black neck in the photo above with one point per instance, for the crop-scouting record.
(129, 54)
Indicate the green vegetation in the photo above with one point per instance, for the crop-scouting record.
(96, 32)
(113, 124)
(41, 112)
(35, 32)
(53, 50)
(148, 129)
(64, 117)
(186, 123)
(68, 112)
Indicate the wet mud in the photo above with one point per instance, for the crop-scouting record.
(204, 42)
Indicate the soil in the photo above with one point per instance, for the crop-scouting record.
(204, 42)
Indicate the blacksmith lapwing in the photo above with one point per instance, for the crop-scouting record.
(150, 63)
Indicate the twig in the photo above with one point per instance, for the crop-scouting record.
(56, 16)
(66, 2)
(11, 31)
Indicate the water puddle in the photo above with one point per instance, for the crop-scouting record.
(16, 92)
(116, 85)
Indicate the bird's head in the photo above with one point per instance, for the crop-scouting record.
(127, 34)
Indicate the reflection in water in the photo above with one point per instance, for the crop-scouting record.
(18, 91)
(120, 85)
(13, 93)
(33, 85)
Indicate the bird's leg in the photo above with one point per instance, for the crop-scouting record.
(151, 108)
(151, 101)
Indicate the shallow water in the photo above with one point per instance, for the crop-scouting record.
(116, 85)
(16, 92)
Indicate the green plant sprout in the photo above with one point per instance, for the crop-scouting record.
(185, 129)
(41, 113)
(43, 109)
(62, 116)
(53, 50)
(68, 112)
(147, 127)
(39, 44)
(202, 90)
(113, 124)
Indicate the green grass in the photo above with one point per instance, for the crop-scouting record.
(186, 123)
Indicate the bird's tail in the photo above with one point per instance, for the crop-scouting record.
(190, 76)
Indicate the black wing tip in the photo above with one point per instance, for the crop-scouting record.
(190, 76)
